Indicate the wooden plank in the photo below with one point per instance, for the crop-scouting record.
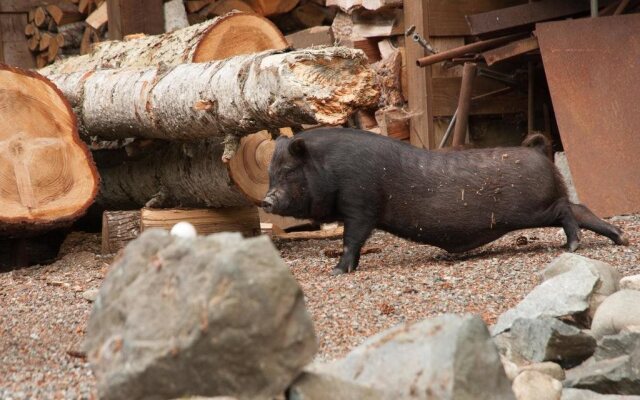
(206, 221)
(15, 46)
(419, 79)
(522, 17)
(99, 17)
(447, 90)
(130, 17)
(447, 17)
(118, 229)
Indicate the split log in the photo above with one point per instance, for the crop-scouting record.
(171, 175)
(118, 229)
(349, 6)
(223, 37)
(99, 17)
(48, 177)
(64, 13)
(41, 17)
(70, 35)
(272, 7)
(206, 221)
(232, 97)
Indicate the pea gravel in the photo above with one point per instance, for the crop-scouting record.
(43, 311)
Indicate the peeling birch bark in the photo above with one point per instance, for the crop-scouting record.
(230, 98)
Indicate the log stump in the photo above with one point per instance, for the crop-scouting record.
(47, 175)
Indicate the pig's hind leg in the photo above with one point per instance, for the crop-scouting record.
(588, 220)
(564, 217)
(356, 232)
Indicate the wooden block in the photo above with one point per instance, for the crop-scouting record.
(377, 24)
(142, 16)
(194, 6)
(66, 14)
(23, 6)
(394, 122)
(118, 229)
(99, 17)
(206, 221)
(281, 222)
(323, 234)
(316, 36)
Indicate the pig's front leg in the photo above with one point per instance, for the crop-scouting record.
(356, 232)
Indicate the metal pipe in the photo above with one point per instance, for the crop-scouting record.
(464, 104)
(462, 50)
(594, 8)
(449, 129)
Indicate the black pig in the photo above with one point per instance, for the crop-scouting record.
(453, 200)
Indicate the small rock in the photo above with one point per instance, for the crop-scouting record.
(534, 385)
(448, 357)
(613, 376)
(630, 282)
(609, 277)
(209, 316)
(583, 394)
(548, 339)
(90, 294)
(616, 312)
(562, 295)
(312, 386)
(548, 368)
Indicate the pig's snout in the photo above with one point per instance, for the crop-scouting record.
(269, 201)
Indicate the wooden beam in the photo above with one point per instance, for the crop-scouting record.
(422, 132)
(511, 50)
(206, 221)
(447, 17)
(129, 17)
(14, 44)
(23, 6)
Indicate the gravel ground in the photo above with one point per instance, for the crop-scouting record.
(43, 313)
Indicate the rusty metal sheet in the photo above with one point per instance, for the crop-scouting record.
(511, 50)
(524, 16)
(592, 67)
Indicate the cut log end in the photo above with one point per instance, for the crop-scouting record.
(236, 34)
(47, 176)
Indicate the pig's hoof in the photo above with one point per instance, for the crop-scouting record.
(623, 240)
(337, 271)
(573, 246)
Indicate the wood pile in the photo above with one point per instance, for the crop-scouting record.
(65, 29)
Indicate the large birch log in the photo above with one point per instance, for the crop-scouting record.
(233, 97)
(171, 175)
(229, 35)
(47, 175)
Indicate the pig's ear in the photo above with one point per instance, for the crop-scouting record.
(297, 147)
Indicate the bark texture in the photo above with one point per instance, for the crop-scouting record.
(233, 97)
(171, 175)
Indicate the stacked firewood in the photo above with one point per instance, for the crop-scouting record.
(65, 29)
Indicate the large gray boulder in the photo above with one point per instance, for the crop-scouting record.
(448, 357)
(608, 277)
(618, 311)
(566, 294)
(208, 316)
(583, 394)
(548, 339)
(630, 282)
(313, 386)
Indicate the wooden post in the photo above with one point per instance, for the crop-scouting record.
(422, 133)
(128, 17)
(14, 45)
(464, 104)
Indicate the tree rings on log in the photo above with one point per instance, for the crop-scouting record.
(47, 175)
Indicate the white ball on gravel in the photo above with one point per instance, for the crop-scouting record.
(184, 230)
